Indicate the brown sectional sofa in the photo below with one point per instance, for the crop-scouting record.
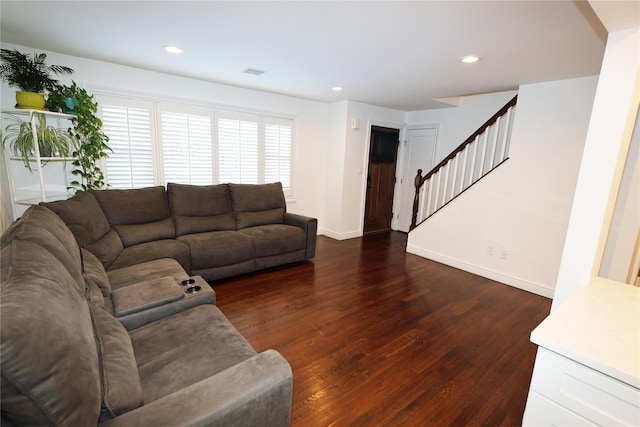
(96, 328)
(214, 231)
(82, 346)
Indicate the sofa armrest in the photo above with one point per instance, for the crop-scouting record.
(256, 392)
(206, 295)
(310, 227)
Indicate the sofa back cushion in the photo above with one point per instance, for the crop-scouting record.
(89, 225)
(83, 216)
(134, 234)
(138, 206)
(50, 373)
(138, 216)
(107, 248)
(40, 225)
(257, 204)
(200, 208)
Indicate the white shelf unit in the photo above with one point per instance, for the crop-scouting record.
(40, 184)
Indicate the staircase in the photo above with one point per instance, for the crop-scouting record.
(485, 150)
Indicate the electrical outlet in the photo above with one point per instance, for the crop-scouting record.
(504, 254)
(490, 250)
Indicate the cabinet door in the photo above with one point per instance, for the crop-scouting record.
(541, 411)
(590, 394)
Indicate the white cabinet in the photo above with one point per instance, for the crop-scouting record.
(48, 178)
(587, 369)
(568, 393)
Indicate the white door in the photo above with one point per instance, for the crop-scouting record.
(419, 150)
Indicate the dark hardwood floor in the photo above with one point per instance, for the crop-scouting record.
(376, 336)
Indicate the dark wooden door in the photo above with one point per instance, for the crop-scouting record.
(381, 179)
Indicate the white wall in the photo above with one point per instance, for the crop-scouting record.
(311, 117)
(347, 161)
(614, 112)
(625, 224)
(334, 173)
(523, 206)
(455, 124)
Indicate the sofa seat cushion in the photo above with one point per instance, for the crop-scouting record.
(218, 248)
(50, 373)
(153, 250)
(276, 239)
(150, 270)
(121, 387)
(183, 349)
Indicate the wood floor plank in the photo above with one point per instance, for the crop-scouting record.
(376, 336)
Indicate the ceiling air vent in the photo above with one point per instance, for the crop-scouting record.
(253, 71)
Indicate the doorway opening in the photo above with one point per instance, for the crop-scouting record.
(381, 179)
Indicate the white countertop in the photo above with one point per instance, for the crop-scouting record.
(599, 327)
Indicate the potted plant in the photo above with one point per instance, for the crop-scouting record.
(87, 131)
(29, 74)
(62, 98)
(51, 140)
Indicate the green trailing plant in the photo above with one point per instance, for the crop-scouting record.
(62, 98)
(51, 140)
(87, 130)
(29, 73)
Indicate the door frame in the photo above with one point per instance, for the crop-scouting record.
(365, 166)
(402, 164)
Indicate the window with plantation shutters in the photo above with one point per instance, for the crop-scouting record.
(130, 164)
(155, 143)
(238, 151)
(277, 152)
(186, 148)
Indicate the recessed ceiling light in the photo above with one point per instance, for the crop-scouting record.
(469, 59)
(336, 88)
(172, 49)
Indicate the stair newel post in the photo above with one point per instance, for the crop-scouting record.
(416, 199)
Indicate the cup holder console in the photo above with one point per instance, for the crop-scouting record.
(190, 284)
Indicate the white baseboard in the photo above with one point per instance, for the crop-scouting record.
(340, 236)
(480, 271)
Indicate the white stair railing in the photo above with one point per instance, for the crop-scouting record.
(486, 149)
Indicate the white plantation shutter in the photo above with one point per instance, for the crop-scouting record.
(238, 155)
(159, 142)
(278, 137)
(187, 148)
(129, 129)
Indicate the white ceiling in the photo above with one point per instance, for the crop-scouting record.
(396, 54)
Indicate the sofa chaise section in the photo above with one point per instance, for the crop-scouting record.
(66, 360)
